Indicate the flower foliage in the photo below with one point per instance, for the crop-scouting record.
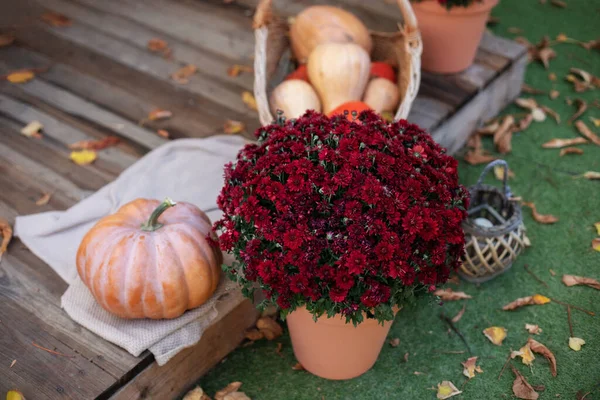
(351, 217)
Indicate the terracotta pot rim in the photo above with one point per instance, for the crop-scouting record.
(433, 7)
(340, 320)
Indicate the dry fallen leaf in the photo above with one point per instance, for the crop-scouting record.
(595, 121)
(591, 175)
(12, 364)
(541, 218)
(575, 343)
(597, 226)
(545, 55)
(527, 103)
(552, 113)
(474, 157)
(33, 129)
(581, 108)
(232, 127)
(459, 315)
(524, 122)
(525, 353)
(539, 348)
(558, 3)
(232, 387)
(394, 342)
(298, 367)
(450, 295)
(108, 141)
(533, 329)
(249, 100)
(237, 396)
(406, 357)
(159, 113)
(552, 76)
(521, 388)
(236, 69)
(496, 334)
(278, 349)
(6, 232)
(43, 200)
(525, 88)
(596, 244)
(553, 94)
(538, 52)
(196, 394)
(514, 30)
(470, 368)
(503, 136)
(20, 76)
(570, 150)
(254, 335)
(269, 327)
(536, 299)
(163, 133)
(583, 80)
(182, 74)
(587, 132)
(561, 37)
(499, 173)
(558, 143)
(14, 395)
(83, 157)
(157, 45)
(446, 389)
(488, 129)
(572, 280)
(6, 39)
(55, 19)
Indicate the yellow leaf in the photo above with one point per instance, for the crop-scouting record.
(495, 334)
(20, 76)
(14, 395)
(446, 389)
(595, 121)
(540, 299)
(32, 129)
(249, 100)
(596, 244)
(597, 226)
(526, 355)
(499, 173)
(470, 368)
(163, 133)
(232, 127)
(83, 157)
(43, 200)
(575, 343)
(562, 37)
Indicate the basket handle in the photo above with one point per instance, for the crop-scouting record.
(487, 169)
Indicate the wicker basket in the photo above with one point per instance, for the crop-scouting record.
(490, 251)
(272, 56)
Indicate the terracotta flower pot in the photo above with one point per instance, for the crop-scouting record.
(331, 348)
(450, 37)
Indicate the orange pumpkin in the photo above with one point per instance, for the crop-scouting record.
(383, 70)
(300, 73)
(149, 260)
(350, 106)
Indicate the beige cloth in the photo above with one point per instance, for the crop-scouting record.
(186, 170)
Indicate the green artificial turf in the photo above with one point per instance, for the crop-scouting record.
(542, 177)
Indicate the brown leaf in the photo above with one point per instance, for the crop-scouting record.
(552, 113)
(232, 127)
(450, 295)
(269, 327)
(55, 19)
(539, 348)
(232, 387)
(503, 136)
(182, 74)
(533, 329)
(298, 367)
(558, 3)
(32, 129)
(572, 280)
(459, 315)
(43, 200)
(236, 396)
(570, 150)
(108, 141)
(581, 107)
(588, 81)
(523, 123)
(541, 218)
(545, 55)
(254, 335)
(20, 76)
(596, 244)
(552, 272)
(278, 349)
(514, 30)
(552, 76)
(591, 175)
(394, 342)
(446, 389)
(525, 88)
(163, 133)
(158, 114)
(558, 143)
(521, 388)
(477, 157)
(470, 368)
(592, 44)
(406, 357)
(12, 364)
(196, 394)
(6, 233)
(527, 103)
(236, 69)
(587, 132)
(6, 39)
(536, 299)
(157, 45)
(249, 100)
(496, 334)
(554, 94)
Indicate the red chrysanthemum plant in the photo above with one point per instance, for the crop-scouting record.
(351, 217)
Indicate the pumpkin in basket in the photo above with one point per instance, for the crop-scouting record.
(149, 260)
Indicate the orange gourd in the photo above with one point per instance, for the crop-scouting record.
(350, 107)
(151, 259)
(323, 24)
(300, 73)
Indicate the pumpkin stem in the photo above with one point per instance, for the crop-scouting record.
(152, 224)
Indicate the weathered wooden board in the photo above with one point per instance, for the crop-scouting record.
(97, 78)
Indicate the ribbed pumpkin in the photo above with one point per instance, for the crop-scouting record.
(151, 259)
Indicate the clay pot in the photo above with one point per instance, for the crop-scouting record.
(450, 37)
(331, 348)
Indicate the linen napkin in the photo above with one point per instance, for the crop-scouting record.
(186, 170)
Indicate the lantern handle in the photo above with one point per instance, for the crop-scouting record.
(487, 169)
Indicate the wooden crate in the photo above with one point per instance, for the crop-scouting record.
(97, 78)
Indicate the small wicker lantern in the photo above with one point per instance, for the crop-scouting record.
(494, 230)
